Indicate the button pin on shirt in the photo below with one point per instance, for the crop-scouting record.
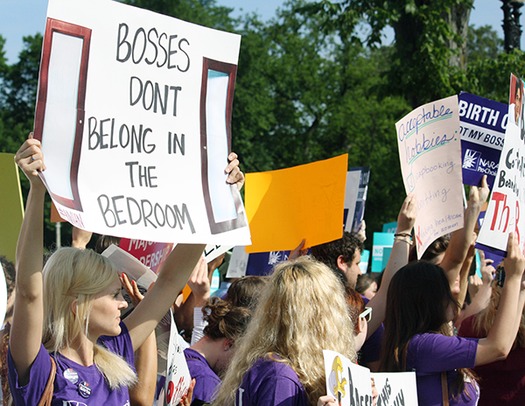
(71, 375)
(84, 390)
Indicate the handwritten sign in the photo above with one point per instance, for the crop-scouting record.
(483, 124)
(505, 211)
(395, 388)
(134, 112)
(430, 155)
(349, 383)
(11, 206)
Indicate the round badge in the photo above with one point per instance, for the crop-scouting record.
(71, 375)
(84, 389)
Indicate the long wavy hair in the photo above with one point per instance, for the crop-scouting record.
(417, 302)
(301, 312)
(485, 319)
(72, 274)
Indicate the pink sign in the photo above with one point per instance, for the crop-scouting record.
(151, 254)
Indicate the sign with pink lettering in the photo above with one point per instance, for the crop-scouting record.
(151, 254)
(505, 211)
(430, 155)
(134, 112)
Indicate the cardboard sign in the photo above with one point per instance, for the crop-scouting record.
(430, 155)
(11, 206)
(483, 124)
(127, 263)
(355, 198)
(395, 388)
(178, 375)
(347, 382)
(287, 205)
(134, 112)
(505, 211)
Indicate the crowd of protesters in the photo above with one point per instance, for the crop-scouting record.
(262, 341)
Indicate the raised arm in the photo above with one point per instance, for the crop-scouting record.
(501, 336)
(173, 276)
(28, 318)
(398, 259)
(460, 240)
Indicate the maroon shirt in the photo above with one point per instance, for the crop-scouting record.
(501, 382)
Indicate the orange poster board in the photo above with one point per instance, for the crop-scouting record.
(287, 205)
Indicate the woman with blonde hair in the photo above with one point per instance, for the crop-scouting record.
(67, 340)
(279, 359)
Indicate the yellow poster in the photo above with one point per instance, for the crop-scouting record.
(11, 206)
(288, 205)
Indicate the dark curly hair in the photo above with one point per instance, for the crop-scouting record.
(245, 291)
(328, 252)
(224, 319)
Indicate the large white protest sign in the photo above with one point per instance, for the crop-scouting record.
(395, 388)
(349, 383)
(134, 112)
(507, 200)
(430, 155)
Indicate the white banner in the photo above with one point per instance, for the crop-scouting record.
(134, 112)
(507, 200)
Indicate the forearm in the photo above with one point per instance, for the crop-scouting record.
(463, 277)
(173, 276)
(29, 249)
(398, 259)
(146, 365)
(503, 332)
(26, 330)
(460, 242)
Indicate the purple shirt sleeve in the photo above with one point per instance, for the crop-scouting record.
(430, 353)
(38, 376)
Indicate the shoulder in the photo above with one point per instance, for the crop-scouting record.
(272, 382)
(200, 368)
(273, 373)
(439, 352)
(38, 376)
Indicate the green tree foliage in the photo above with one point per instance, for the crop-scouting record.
(483, 43)
(310, 86)
(306, 93)
(18, 95)
(428, 58)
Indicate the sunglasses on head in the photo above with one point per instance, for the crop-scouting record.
(366, 314)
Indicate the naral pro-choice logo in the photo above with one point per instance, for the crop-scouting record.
(473, 161)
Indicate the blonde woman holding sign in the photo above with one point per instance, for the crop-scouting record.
(67, 317)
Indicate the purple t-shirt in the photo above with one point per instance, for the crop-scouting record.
(74, 384)
(269, 383)
(430, 354)
(206, 381)
(371, 349)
